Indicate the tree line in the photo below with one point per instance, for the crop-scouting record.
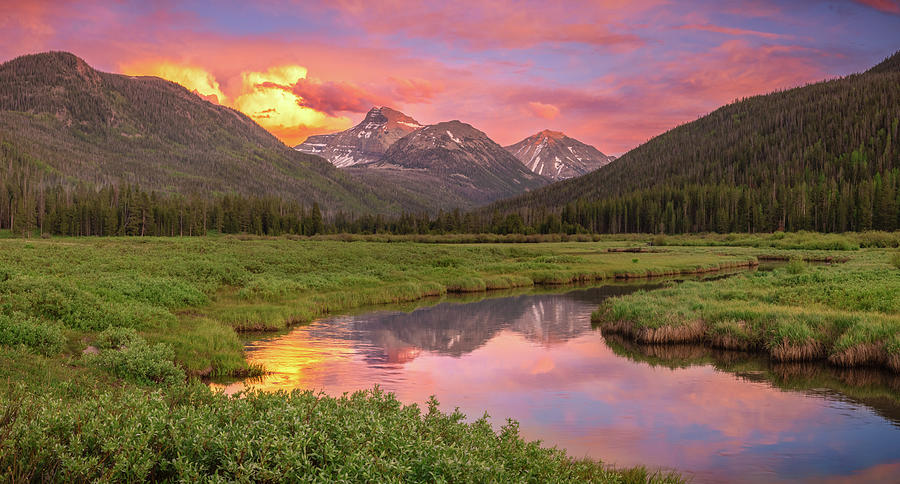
(28, 208)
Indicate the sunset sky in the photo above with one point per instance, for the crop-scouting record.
(611, 73)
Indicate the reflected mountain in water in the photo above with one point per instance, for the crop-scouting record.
(717, 416)
(454, 329)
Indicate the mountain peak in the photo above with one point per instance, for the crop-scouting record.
(52, 66)
(555, 155)
(547, 133)
(366, 141)
(459, 161)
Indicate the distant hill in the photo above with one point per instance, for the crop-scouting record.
(61, 121)
(364, 143)
(557, 156)
(454, 165)
(819, 157)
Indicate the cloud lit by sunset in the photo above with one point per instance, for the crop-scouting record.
(612, 74)
(195, 79)
(269, 98)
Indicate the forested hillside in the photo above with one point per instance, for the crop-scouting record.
(67, 130)
(819, 157)
(88, 153)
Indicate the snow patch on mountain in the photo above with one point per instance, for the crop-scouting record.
(555, 155)
(364, 143)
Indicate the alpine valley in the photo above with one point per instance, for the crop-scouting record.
(226, 255)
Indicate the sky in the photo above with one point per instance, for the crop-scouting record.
(609, 73)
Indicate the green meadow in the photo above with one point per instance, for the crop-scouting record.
(104, 341)
(194, 295)
(845, 312)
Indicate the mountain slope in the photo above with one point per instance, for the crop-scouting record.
(68, 123)
(556, 156)
(455, 164)
(363, 143)
(891, 64)
(819, 157)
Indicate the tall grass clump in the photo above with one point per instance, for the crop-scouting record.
(895, 259)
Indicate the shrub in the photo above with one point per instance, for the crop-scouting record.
(43, 337)
(117, 338)
(659, 240)
(873, 239)
(128, 356)
(796, 266)
(895, 259)
(189, 434)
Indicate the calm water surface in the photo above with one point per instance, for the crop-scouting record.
(715, 416)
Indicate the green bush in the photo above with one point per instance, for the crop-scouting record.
(189, 434)
(873, 239)
(43, 337)
(128, 356)
(118, 338)
(895, 260)
(796, 266)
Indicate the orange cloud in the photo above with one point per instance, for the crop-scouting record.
(267, 96)
(194, 78)
(269, 99)
(541, 110)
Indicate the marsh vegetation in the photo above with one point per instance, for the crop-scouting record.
(113, 333)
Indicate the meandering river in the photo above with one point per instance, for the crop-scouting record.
(715, 416)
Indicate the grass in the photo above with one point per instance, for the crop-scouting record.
(193, 294)
(792, 240)
(103, 339)
(846, 313)
(189, 433)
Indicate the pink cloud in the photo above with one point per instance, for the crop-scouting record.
(416, 90)
(541, 110)
(730, 31)
(629, 100)
(334, 97)
(502, 23)
(887, 6)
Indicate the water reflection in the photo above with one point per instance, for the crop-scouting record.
(720, 416)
